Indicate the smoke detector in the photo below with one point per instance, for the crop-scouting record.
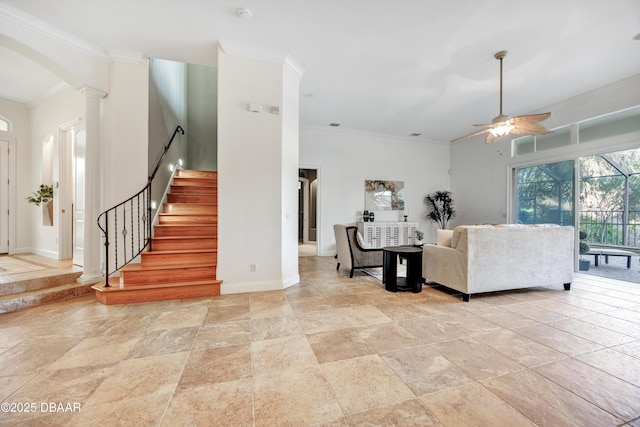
(244, 13)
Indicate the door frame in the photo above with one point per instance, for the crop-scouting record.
(67, 134)
(11, 202)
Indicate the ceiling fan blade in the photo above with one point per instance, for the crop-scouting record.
(480, 132)
(528, 124)
(483, 125)
(530, 129)
(530, 118)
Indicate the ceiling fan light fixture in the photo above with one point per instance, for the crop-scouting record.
(502, 130)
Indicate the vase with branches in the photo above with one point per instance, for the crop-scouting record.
(440, 207)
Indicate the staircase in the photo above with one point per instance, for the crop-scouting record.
(183, 261)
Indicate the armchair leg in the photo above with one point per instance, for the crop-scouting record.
(351, 274)
(466, 297)
(567, 286)
(338, 266)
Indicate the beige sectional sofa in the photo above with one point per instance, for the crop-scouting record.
(474, 259)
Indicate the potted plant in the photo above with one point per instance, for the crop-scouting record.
(44, 196)
(419, 237)
(440, 206)
(584, 264)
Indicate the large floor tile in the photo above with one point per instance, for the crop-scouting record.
(365, 383)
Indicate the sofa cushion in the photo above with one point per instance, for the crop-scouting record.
(444, 237)
(455, 237)
(361, 241)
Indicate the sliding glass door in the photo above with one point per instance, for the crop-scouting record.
(544, 194)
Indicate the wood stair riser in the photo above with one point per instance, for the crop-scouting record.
(180, 230)
(200, 182)
(135, 295)
(184, 189)
(178, 259)
(190, 208)
(187, 219)
(167, 275)
(184, 243)
(192, 198)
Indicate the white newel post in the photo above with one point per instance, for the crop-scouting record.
(93, 188)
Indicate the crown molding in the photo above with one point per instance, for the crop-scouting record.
(32, 23)
(51, 92)
(265, 55)
(126, 56)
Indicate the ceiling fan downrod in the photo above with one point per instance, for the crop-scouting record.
(499, 57)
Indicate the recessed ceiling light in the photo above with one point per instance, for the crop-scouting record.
(335, 125)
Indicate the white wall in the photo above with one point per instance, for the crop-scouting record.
(480, 171)
(54, 111)
(202, 117)
(167, 109)
(345, 159)
(125, 132)
(20, 139)
(252, 167)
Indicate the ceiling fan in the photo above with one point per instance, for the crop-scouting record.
(502, 125)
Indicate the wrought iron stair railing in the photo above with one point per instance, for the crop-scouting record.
(128, 225)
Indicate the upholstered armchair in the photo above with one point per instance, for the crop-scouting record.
(351, 254)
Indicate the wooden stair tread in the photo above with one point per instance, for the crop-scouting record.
(179, 251)
(143, 267)
(115, 285)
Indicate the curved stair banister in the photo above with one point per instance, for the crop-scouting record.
(128, 225)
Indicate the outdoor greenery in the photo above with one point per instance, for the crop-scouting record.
(609, 183)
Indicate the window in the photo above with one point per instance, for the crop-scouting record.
(5, 125)
(544, 194)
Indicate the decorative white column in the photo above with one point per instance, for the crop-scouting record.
(92, 188)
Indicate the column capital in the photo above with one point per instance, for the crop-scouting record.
(88, 91)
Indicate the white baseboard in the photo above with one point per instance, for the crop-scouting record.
(244, 287)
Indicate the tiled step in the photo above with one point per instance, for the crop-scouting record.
(192, 198)
(190, 208)
(137, 274)
(156, 292)
(185, 230)
(179, 258)
(18, 301)
(168, 218)
(49, 279)
(181, 243)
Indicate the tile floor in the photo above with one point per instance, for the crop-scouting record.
(331, 351)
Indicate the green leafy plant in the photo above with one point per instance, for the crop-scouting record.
(419, 235)
(440, 206)
(42, 195)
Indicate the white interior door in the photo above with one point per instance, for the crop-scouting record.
(78, 204)
(4, 196)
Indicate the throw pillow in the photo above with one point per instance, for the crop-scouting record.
(444, 237)
(361, 240)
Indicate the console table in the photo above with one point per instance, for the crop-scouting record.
(381, 234)
(413, 256)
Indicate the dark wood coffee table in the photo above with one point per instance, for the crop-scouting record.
(413, 256)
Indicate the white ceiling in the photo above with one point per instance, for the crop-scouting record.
(382, 66)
